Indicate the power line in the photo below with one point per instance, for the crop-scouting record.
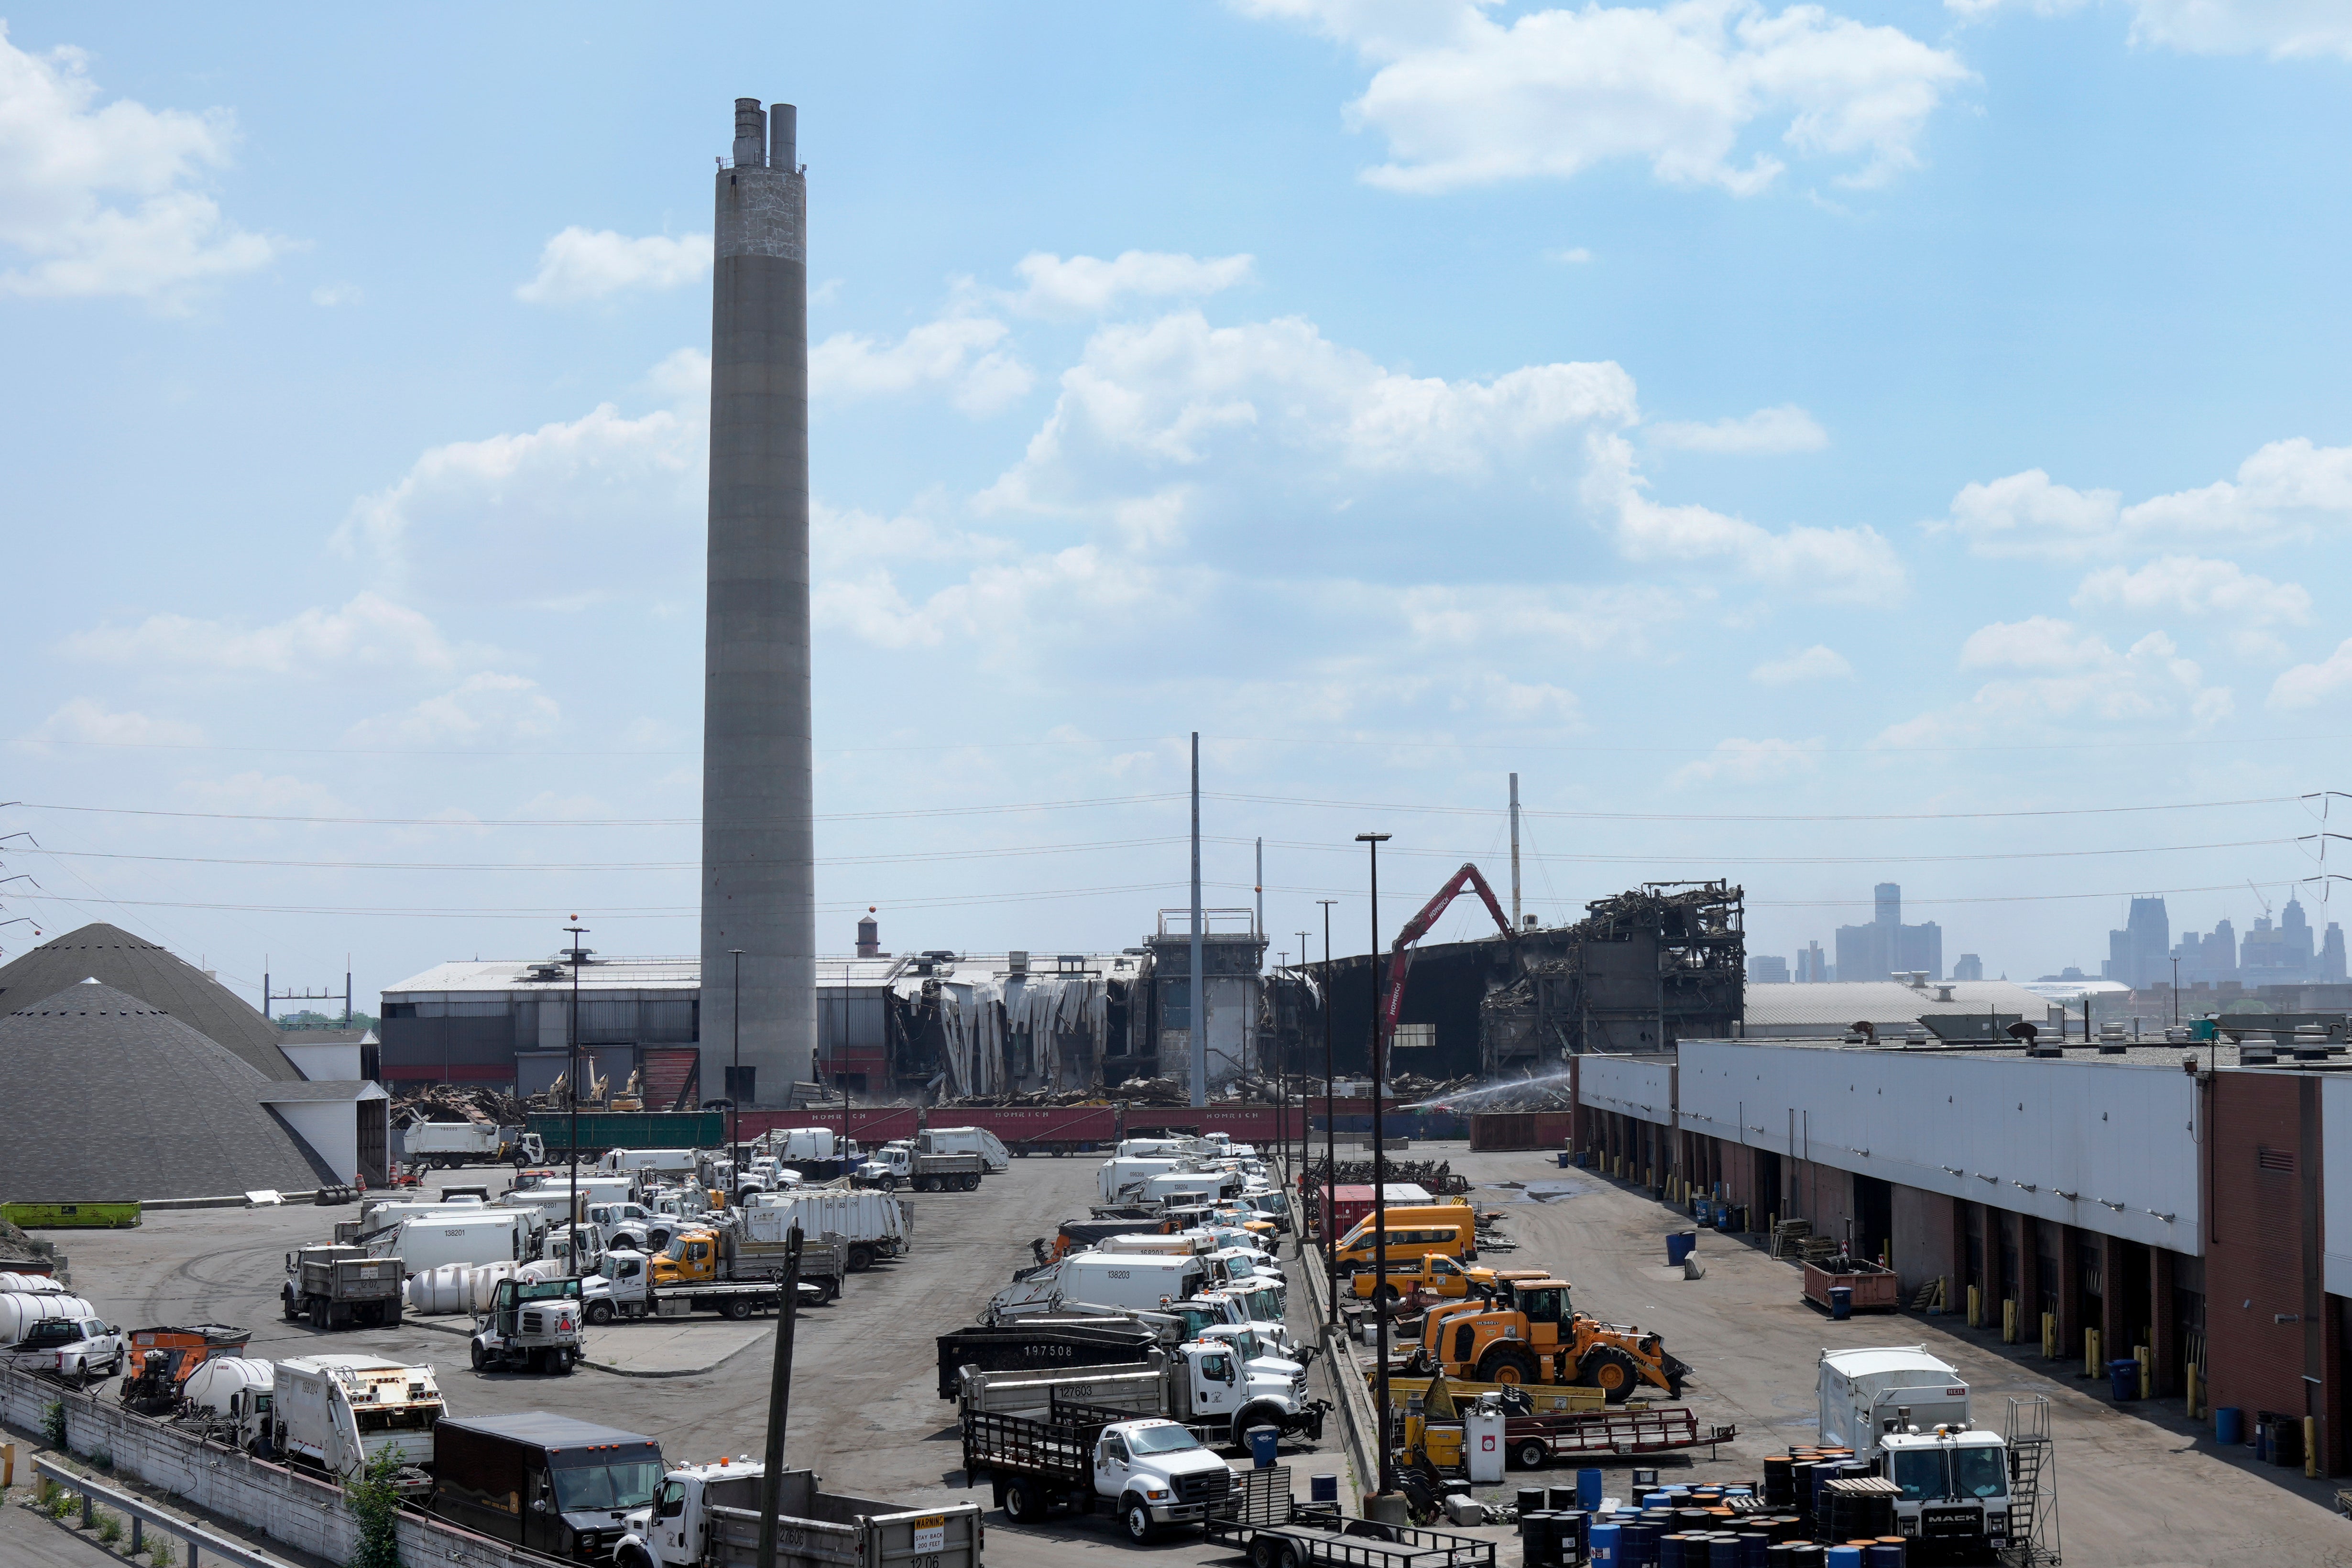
(1746, 816)
(585, 821)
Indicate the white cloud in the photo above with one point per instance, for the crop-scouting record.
(2287, 490)
(1817, 662)
(1532, 620)
(1089, 286)
(1766, 432)
(1739, 761)
(333, 294)
(960, 352)
(1575, 256)
(370, 631)
(2190, 585)
(2065, 676)
(92, 724)
(1855, 564)
(1466, 100)
(2282, 29)
(573, 507)
(580, 265)
(2309, 684)
(110, 200)
(486, 705)
(262, 794)
(1166, 392)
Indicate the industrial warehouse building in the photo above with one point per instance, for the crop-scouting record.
(935, 1023)
(2192, 1200)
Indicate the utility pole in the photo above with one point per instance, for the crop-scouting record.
(1330, 1133)
(735, 1092)
(1305, 1115)
(1515, 854)
(572, 1135)
(1199, 1005)
(1380, 1300)
(780, 1396)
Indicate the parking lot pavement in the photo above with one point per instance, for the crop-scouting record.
(866, 1411)
(2149, 1492)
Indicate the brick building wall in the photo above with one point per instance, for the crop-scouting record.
(1924, 1243)
(2257, 1270)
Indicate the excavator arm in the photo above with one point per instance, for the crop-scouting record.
(1400, 960)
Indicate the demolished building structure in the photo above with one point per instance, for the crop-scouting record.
(1661, 962)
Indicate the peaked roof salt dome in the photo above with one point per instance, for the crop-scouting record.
(105, 1099)
(112, 956)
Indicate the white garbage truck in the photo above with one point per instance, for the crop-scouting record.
(1911, 1411)
(338, 1412)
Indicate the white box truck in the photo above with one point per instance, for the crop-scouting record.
(1911, 1411)
(486, 1235)
(337, 1413)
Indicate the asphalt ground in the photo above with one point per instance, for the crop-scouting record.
(2137, 1484)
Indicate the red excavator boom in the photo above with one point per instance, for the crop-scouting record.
(1417, 928)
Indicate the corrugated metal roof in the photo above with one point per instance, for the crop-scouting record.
(1837, 1003)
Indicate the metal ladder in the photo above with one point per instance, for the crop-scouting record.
(2033, 1487)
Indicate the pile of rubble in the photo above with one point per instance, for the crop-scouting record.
(447, 1102)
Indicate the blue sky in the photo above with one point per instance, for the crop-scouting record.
(1793, 440)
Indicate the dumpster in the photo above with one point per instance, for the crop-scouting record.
(1679, 1246)
(2123, 1376)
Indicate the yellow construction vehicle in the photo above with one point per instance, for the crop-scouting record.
(1528, 1333)
(1434, 1275)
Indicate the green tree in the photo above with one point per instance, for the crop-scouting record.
(374, 1497)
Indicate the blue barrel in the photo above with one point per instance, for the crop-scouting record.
(1566, 1159)
(2123, 1376)
(1588, 1490)
(1753, 1544)
(2230, 1425)
(1723, 1550)
(1882, 1555)
(1323, 1489)
(1845, 1557)
(1680, 1244)
(1841, 1302)
(1670, 1550)
(1604, 1546)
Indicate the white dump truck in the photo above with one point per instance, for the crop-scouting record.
(337, 1413)
(1204, 1384)
(708, 1516)
(1912, 1411)
(899, 1163)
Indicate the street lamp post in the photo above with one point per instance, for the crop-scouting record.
(572, 1076)
(2176, 990)
(735, 1090)
(1379, 1180)
(1330, 1135)
(1306, 1115)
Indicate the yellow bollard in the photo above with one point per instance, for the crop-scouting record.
(8, 1466)
(2008, 1322)
(1976, 1313)
(2049, 1336)
(2141, 1353)
(2196, 1393)
(2090, 1353)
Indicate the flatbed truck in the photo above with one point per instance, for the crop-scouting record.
(1260, 1519)
(1084, 1458)
(708, 1516)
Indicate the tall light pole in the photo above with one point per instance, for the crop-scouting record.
(2176, 988)
(1330, 1133)
(735, 1090)
(1306, 1112)
(572, 1137)
(1379, 1180)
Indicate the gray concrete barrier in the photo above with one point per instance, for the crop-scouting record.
(287, 1506)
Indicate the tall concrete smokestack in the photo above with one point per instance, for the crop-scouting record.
(758, 851)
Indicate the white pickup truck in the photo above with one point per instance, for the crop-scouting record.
(75, 1349)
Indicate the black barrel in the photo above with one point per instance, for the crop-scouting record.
(1531, 1500)
(1557, 1499)
(1536, 1548)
